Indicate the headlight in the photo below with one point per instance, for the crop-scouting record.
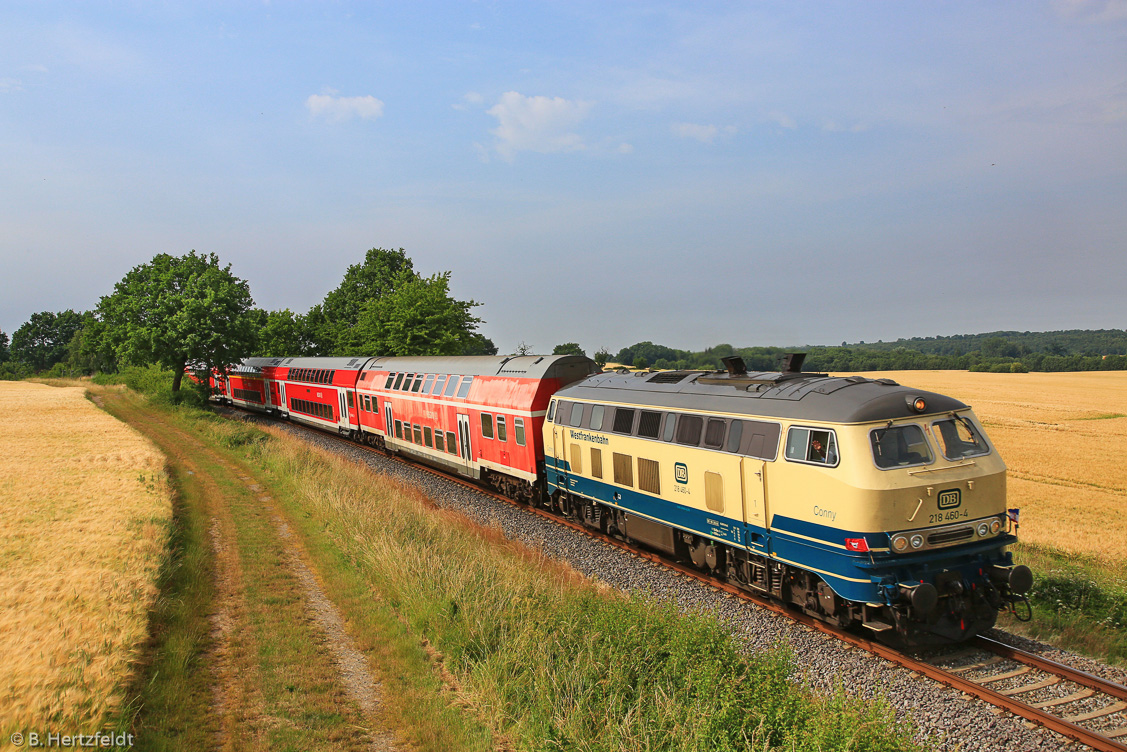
(995, 526)
(917, 541)
(983, 529)
(900, 544)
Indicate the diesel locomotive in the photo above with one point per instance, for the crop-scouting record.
(859, 501)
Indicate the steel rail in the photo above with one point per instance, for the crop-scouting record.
(1091, 738)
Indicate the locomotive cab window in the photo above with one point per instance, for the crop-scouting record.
(958, 438)
(551, 411)
(812, 445)
(900, 446)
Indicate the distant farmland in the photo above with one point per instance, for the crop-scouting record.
(84, 519)
(1064, 438)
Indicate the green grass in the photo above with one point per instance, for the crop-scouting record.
(1078, 603)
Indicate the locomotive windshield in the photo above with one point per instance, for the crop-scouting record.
(958, 438)
(900, 446)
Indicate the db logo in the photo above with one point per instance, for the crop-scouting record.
(949, 499)
(681, 472)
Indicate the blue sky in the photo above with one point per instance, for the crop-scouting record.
(759, 173)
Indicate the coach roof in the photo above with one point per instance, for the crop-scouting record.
(811, 397)
(518, 366)
(336, 364)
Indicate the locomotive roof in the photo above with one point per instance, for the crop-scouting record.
(801, 396)
(520, 366)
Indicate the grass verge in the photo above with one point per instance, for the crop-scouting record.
(1079, 603)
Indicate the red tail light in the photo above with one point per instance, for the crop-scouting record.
(860, 545)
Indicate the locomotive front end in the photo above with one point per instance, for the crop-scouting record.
(940, 567)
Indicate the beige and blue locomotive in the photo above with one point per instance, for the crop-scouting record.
(860, 501)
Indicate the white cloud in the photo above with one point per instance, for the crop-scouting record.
(10, 85)
(539, 124)
(336, 109)
(783, 119)
(706, 134)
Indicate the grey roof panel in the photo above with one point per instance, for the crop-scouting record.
(811, 397)
(520, 366)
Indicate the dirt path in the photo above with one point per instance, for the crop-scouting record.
(286, 673)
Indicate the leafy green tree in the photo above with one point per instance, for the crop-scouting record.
(381, 274)
(601, 357)
(479, 344)
(89, 350)
(3, 347)
(42, 340)
(641, 363)
(180, 310)
(568, 348)
(417, 317)
(281, 334)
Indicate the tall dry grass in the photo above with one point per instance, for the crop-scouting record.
(1064, 439)
(85, 510)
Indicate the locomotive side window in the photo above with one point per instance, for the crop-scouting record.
(451, 386)
(464, 389)
(623, 420)
(649, 425)
(714, 435)
(576, 415)
(958, 438)
(670, 425)
(597, 417)
(518, 430)
(812, 445)
(501, 435)
(689, 428)
(735, 433)
(486, 426)
(900, 446)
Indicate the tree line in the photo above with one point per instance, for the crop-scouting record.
(190, 310)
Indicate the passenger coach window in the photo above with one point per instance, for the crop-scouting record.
(688, 429)
(464, 389)
(438, 444)
(390, 381)
(427, 436)
(451, 386)
(812, 445)
(501, 435)
(958, 438)
(518, 430)
(418, 383)
(487, 425)
(398, 381)
(900, 446)
(451, 443)
(438, 385)
(427, 384)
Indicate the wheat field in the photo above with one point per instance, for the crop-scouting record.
(85, 509)
(1064, 439)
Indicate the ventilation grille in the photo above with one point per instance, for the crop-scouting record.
(668, 377)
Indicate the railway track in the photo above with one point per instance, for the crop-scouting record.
(1075, 704)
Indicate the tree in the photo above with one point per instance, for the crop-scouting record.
(281, 334)
(523, 348)
(180, 310)
(89, 350)
(568, 348)
(3, 347)
(479, 344)
(42, 341)
(417, 317)
(381, 273)
(601, 357)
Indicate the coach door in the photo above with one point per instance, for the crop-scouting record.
(465, 449)
(282, 394)
(387, 419)
(755, 503)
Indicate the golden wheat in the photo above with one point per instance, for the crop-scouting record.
(84, 518)
(1064, 438)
